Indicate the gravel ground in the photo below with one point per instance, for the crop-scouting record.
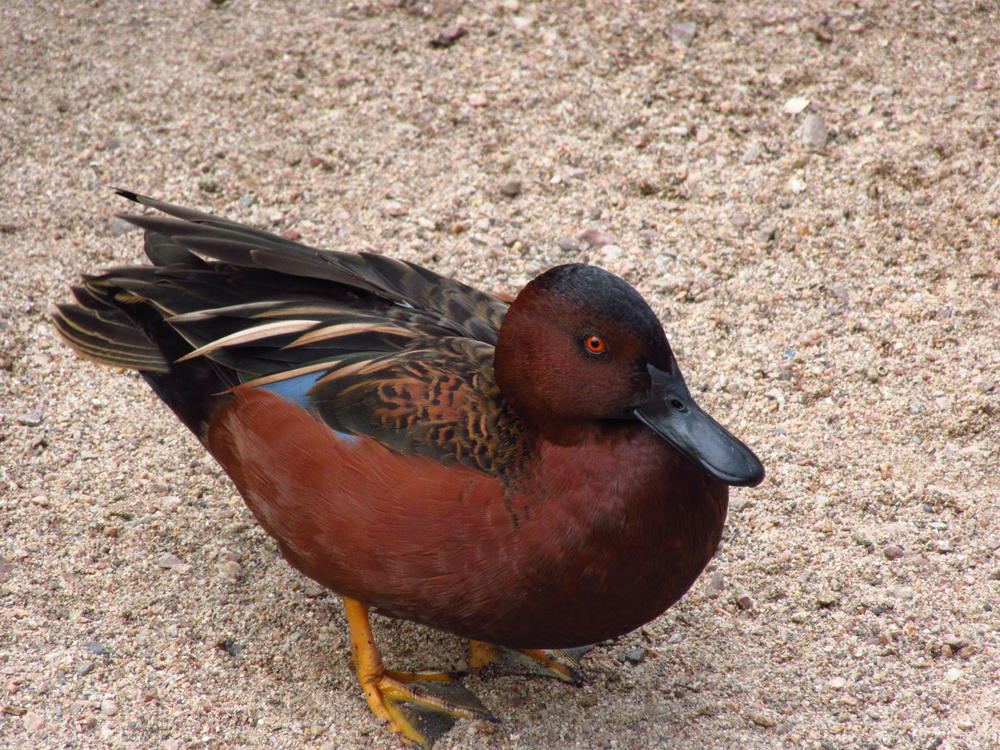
(808, 195)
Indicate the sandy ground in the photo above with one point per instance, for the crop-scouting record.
(833, 297)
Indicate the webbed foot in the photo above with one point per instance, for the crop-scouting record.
(559, 664)
(419, 706)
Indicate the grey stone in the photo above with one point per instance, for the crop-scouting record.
(682, 34)
(511, 188)
(814, 132)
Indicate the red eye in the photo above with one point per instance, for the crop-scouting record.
(595, 344)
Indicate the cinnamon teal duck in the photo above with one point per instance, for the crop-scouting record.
(531, 475)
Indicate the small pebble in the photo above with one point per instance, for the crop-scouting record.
(168, 560)
(312, 589)
(635, 656)
(477, 100)
(682, 34)
(510, 188)
(646, 187)
(170, 503)
(892, 552)
(743, 600)
(814, 132)
(393, 208)
(836, 683)
(823, 525)
(863, 540)
(752, 154)
(98, 649)
(231, 569)
(738, 504)
(448, 36)
(31, 419)
(827, 599)
(954, 642)
(109, 707)
(569, 245)
(799, 617)
(231, 647)
(716, 584)
(795, 105)
(594, 239)
(5, 568)
(953, 675)
(796, 184)
(763, 718)
(84, 668)
(611, 253)
(587, 700)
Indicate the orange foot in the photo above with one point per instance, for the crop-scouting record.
(419, 706)
(561, 664)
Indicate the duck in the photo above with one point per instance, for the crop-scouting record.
(530, 473)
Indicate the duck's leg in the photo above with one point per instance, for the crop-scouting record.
(420, 706)
(561, 664)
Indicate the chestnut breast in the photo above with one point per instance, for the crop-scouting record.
(595, 539)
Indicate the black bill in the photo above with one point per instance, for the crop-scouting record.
(672, 414)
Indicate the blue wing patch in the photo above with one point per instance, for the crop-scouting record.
(297, 389)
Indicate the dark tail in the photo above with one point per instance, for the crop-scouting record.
(117, 326)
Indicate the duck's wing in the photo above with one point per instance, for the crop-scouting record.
(371, 346)
(438, 399)
(466, 310)
(394, 376)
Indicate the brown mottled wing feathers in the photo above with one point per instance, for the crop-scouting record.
(440, 401)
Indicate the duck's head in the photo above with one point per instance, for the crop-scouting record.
(579, 344)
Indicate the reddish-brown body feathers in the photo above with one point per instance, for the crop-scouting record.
(577, 554)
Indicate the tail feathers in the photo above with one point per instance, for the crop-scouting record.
(104, 334)
(163, 251)
(113, 326)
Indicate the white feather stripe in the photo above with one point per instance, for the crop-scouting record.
(366, 367)
(277, 377)
(256, 333)
(246, 308)
(346, 329)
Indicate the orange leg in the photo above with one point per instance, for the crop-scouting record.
(419, 706)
